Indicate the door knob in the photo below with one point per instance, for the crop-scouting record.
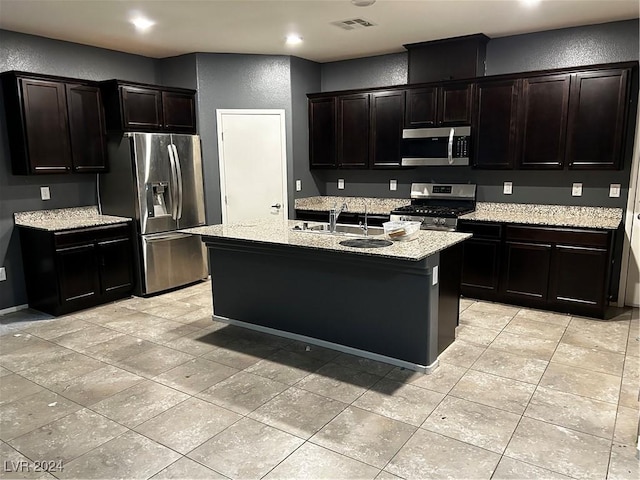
(277, 205)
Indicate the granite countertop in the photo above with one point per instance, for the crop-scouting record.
(550, 215)
(375, 206)
(425, 244)
(65, 219)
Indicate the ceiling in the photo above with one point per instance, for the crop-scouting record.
(260, 26)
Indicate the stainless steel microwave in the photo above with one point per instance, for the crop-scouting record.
(435, 146)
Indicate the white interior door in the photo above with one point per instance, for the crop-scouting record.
(632, 296)
(253, 161)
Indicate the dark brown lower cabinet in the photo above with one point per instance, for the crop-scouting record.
(526, 271)
(580, 276)
(481, 262)
(562, 269)
(75, 269)
(77, 274)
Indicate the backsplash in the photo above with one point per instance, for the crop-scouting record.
(549, 188)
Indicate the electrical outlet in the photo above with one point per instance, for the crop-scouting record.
(393, 185)
(507, 189)
(45, 194)
(614, 190)
(3, 274)
(298, 185)
(576, 190)
(341, 184)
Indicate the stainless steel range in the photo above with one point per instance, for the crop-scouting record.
(437, 206)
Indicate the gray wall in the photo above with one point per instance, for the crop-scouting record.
(305, 78)
(551, 188)
(567, 47)
(238, 81)
(178, 71)
(22, 193)
(369, 72)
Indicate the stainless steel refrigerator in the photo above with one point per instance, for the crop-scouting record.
(156, 179)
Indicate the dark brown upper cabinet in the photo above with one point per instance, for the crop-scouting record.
(353, 131)
(421, 107)
(455, 104)
(322, 132)
(55, 124)
(572, 118)
(597, 115)
(542, 126)
(494, 123)
(86, 128)
(179, 112)
(387, 118)
(141, 109)
(449, 104)
(134, 107)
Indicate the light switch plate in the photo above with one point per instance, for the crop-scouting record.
(507, 189)
(3, 274)
(44, 193)
(614, 190)
(393, 185)
(298, 185)
(341, 184)
(576, 190)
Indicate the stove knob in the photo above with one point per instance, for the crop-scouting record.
(441, 221)
(435, 221)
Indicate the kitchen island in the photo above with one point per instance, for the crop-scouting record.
(397, 304)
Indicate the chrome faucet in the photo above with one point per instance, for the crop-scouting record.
(364, 227)
(334, 213)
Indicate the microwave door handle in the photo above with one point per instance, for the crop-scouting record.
(450, 146)
(174, 201)
(179, 178)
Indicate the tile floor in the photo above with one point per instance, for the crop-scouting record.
(153, 388)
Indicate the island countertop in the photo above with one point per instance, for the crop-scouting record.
(61, 219)
(427, 242)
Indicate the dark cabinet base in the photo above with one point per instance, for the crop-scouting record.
(561, 269)
(76, 269)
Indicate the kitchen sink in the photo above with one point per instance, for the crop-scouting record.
(366, 242)
(341, 229)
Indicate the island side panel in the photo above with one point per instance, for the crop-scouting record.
(379, 305)
(449, 295)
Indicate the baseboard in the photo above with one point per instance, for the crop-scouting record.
(428, 369)
(17, 308)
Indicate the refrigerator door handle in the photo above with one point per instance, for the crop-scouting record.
(179, 178)
(166, 237)
(174, 183)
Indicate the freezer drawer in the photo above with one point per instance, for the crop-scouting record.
(171, 260)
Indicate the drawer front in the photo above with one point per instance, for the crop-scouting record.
(481, 229)
(570, 236)
(91, 235)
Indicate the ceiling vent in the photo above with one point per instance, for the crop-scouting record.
(353, 24)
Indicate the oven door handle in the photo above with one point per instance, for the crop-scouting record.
(450, 146)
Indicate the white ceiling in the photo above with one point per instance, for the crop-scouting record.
(260, 26)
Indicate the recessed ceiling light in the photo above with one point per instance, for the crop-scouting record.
(293, 39)
(142, 24)
(363, 3)
(530, 3)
